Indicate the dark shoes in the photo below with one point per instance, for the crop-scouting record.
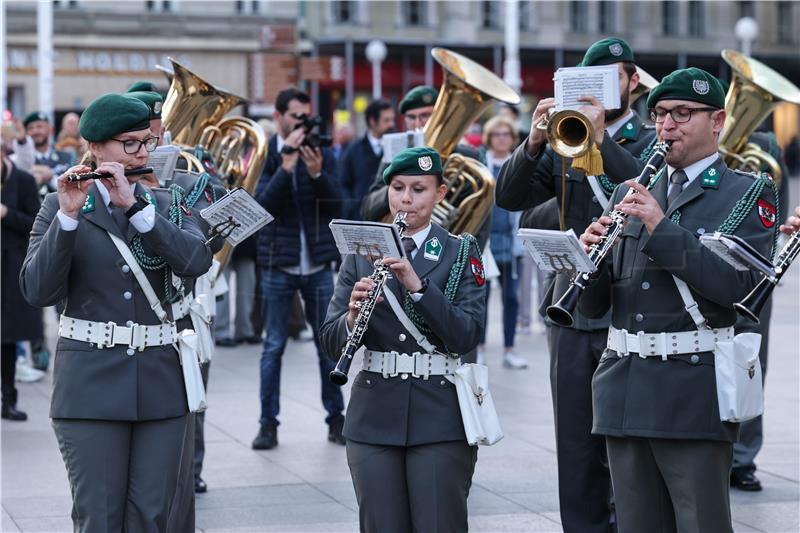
(254, 339)
(745, 479)
(200, 485)
(267, 437)
(335, 430)
(10, 412)
(225, 342)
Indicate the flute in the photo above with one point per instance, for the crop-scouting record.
(99, 175)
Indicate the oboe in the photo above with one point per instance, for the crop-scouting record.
(100, 175)
(380, 275)
(561, 311)
(752, 304)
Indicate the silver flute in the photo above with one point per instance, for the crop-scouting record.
(380, 275)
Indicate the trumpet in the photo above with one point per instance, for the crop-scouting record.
(569, 132)
(750, 307)
(100, 175)
(380, 275)
(562, 311)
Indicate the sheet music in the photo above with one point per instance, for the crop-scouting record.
(369, 239)
(163, 160)
(236, 216)
(573, 82)
(737, 253)
(556, 251)
(393, 143)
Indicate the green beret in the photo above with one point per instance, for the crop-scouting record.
(153, 100)
(422, 161)
(112, 114)
(417, 97)
(693, 84)
(34, 116)
(143, 86)
(606, 52)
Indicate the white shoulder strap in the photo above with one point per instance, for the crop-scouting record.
(423, 342)
(155, 304)
(690, 304)
(598, 191)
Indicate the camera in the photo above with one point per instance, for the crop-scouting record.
(313, 139)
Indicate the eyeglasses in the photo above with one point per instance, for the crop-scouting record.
(679, 114)
(132, 146)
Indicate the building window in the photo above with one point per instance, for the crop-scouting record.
(697, 19)
(747, 9)
(578, 16)
(786, 34)
(608, 17)
(70, 4)
(344, 11)
(525, 15)
(162, 5)
(669, 18)
(490, 14)
(241, 6)
(415, 13)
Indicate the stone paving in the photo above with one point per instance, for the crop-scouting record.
(304, 485)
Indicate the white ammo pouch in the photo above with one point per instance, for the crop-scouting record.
(740, 390)
(481, 424)
(187, 339)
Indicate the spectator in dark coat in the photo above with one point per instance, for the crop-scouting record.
(299, 188)
(19, 203)
(361, 159)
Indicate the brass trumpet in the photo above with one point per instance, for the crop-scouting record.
(569, 132)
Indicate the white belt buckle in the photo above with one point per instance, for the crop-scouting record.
(421, 363)
(119, 334)
(389, 366)
(137, 337)
(652, 344)
(404, 364)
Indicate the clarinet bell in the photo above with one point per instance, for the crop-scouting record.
(561, 312)
(754, 302)
(338, 377)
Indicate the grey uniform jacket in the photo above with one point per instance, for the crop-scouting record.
(84, 268)
(527, 182)
(639, 397)
(412, 411)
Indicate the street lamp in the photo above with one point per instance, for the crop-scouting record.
(376, 53)
(746, 30)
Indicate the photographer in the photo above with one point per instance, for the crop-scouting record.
(299, 188)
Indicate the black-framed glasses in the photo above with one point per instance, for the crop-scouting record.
(679, 114)
(132, 146)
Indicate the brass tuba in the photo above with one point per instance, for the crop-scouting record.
(193, 114)
(467, 90)
(754, 92)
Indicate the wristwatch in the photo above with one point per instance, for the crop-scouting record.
(140, 204)
(424, 286)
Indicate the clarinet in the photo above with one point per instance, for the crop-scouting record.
(380, 275)
(561, 312)
(750, 307)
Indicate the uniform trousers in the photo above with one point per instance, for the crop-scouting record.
(416, 488)
(670, 485)
(584, 485)
(123, 475)
(8, 371)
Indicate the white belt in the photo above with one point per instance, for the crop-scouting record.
(666, 343)
(107, 334)
(423, 365)
(181, 308)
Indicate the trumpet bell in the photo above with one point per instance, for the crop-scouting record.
(569, 133)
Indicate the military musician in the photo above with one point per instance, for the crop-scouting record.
(409, 459)
(119, 407)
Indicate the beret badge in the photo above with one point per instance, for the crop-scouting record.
(615, 49)
(425, 162)
(700, 86)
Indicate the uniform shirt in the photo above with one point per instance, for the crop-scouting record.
(143, 220)
(375, 144)
(306, 267)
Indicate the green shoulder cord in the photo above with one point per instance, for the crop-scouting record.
(453, 282)
(197, 191)
(156, 262)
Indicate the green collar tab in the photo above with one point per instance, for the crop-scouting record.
(629, 130)
(710, 178)
(88, 205)
(151, 198)
(433, 249)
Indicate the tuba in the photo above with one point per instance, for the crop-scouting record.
(467, 90)
(193, 114)
(754, 92)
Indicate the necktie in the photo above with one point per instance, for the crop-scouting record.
(678, 178)
(409, 246)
